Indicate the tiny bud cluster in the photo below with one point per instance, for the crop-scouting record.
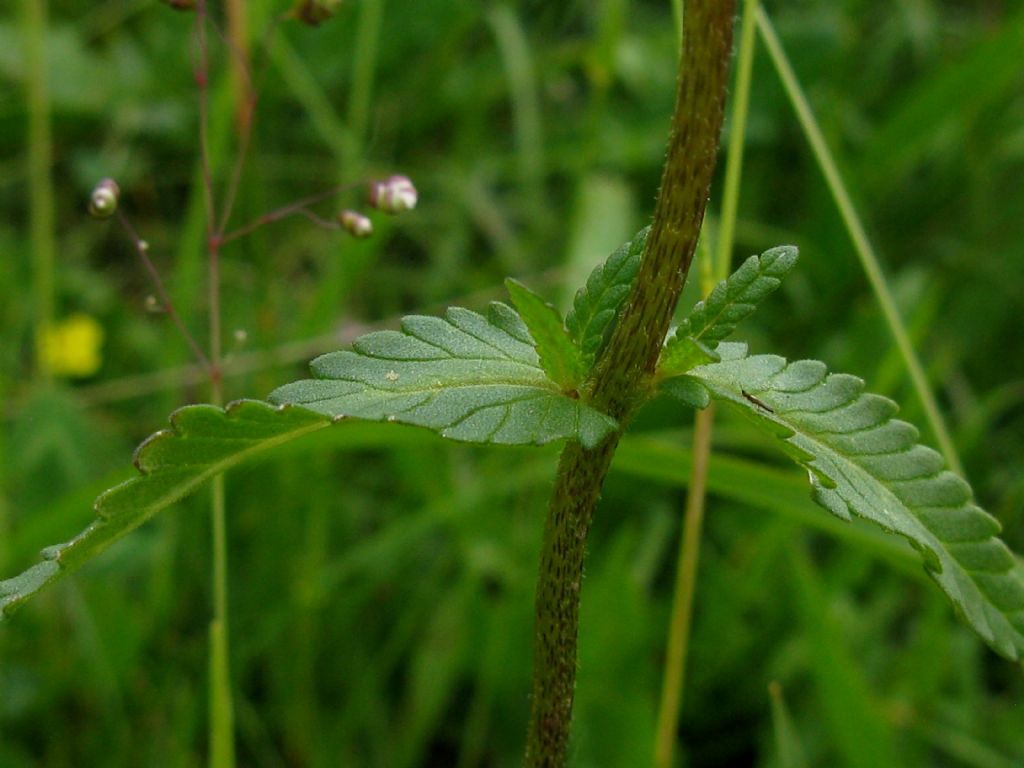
(103, 200)
(355, 223)
(394, 194)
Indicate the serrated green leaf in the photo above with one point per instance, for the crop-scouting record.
(862, 461)
(596, 306)
(203, 441)
(727, 305)
(466, 376)
(559, 357)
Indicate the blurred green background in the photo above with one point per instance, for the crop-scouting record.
(382, 580)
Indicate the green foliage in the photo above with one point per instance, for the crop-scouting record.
(203, 441)
(862, 461)
(597, 304)
(559, 357)
(469, 377)
(732, 300)
(346, 542)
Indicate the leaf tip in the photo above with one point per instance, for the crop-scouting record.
(780, 259)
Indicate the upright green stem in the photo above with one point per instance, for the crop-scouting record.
(622, 378)
(222, 728)
(41, 208)
(222, 738)
(40, 159)
(581, 474)
(861, 243)
(737, 140)
(222, 750)
(237, 13)
(632, 353)
(686, 582)
(245, 101)
(5, 516)
(222, 720)
(677, 646)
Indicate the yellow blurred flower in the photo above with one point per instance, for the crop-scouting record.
(71, 347)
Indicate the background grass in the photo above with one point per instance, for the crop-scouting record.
(382, 580)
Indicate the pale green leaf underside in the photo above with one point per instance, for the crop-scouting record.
(863, 461)
(466, 376)
(732, 301)
(559, 357)
(203, 441)
(597, 304)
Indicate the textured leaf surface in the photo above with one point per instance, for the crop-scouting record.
(728, 304)
(597, 304)
(467, 376)
(862, 461)
(203, 441)
(559, 357)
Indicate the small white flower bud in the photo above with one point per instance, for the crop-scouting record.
(103, 200)
(241, 336)
(393, 195)
(152, 305)
(356, 224)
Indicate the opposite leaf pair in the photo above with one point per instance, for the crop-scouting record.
(859, 459)
(519, 378)
(516, 377)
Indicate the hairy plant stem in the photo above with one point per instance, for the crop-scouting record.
(622, 378)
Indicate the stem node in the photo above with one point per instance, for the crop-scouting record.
(620, 380)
